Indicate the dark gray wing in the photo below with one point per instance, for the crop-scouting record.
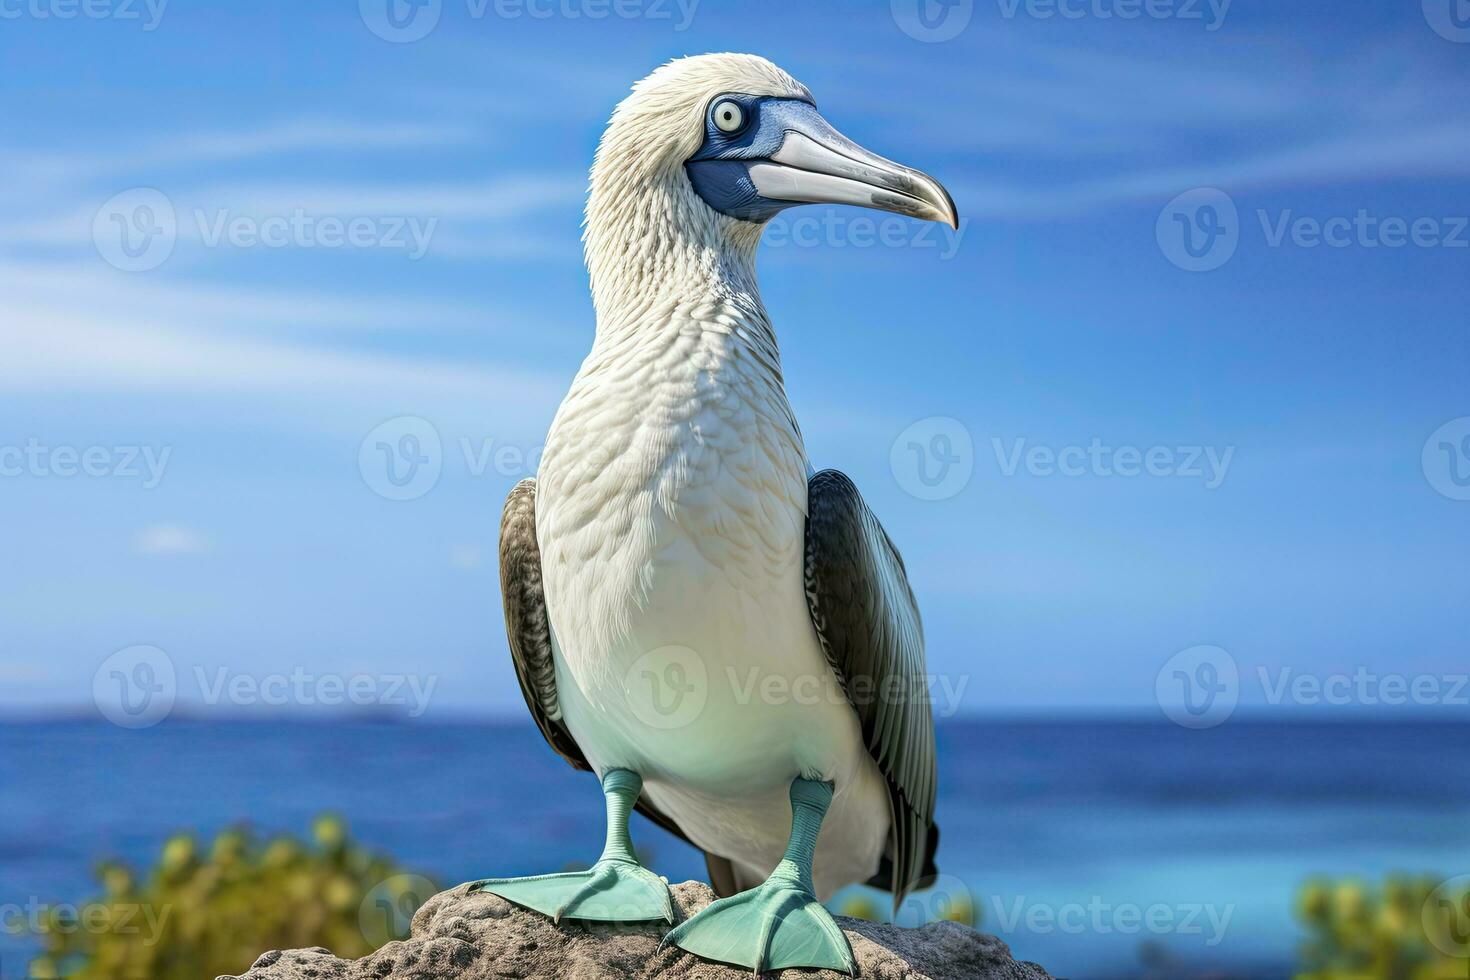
(866, 617)
(526, 625)
(529, 631)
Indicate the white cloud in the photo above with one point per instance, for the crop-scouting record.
(70, 330)
(182, 150)
(466, 557)
(162, 540)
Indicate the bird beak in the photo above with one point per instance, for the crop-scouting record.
(816, 164)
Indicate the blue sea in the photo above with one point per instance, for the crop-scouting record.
(1100, 850)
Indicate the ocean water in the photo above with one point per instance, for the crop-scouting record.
(1083, 845)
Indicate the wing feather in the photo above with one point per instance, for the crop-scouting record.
(868, 622)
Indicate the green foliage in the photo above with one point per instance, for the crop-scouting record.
(861, 907)
(203, 915)
(932, 906)
(1408, 929)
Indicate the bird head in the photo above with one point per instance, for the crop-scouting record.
(707, 149)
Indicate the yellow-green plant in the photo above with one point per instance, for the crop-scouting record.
(205, 914)
(955, 908)
(1410, 928)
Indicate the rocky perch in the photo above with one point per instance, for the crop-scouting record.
(459, 936)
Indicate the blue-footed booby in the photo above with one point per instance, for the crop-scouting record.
(725, 637)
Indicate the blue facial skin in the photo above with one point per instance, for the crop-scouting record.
(718, 169)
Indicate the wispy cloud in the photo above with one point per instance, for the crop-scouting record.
(91, 291)
(98, 333)
(168, 540)
(499, 217)
(1063, 129)
(127, 156)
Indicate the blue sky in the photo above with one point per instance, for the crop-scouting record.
(1060, 316)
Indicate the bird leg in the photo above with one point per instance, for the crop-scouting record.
(780, 923)
(615, 889)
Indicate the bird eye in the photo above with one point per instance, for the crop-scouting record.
(729, 117)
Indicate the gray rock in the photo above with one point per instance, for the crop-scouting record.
(459, 936)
